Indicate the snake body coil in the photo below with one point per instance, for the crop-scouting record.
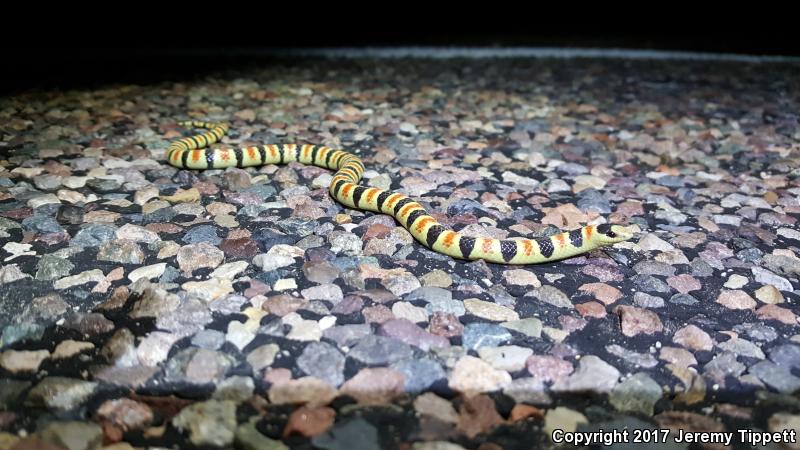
(191, 153)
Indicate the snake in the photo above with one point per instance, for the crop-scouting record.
(194, 152)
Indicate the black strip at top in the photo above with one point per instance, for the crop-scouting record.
(209, 158)
(262, 152)
(382, 198)
(402, 203)
(357, 193)
(338, 186)
(576, 237)
(237, 153)
(466, 245)
(545, 246)
(185, 158)
(508, 248)
(416, 214)
(433, 234)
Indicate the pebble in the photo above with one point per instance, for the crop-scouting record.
(644, 360)
(197, 366)
(147, 272)
(406, 331)
(407, 311)
(563, 419)
(553, 296)
(736, 281)
(374, 386)
(60, 393)
(263, 356)
(472, 376)
(490, 311)
(420, 374)
(353, 434)
(478, 335)
(510, 358)
(432, 405)
(211, 422)
(592, 375)
(634, 321)
(73, 435)
(436, 278)
(126, 414)
(154, 348)
(16, 361)
(638, 394)
(328, 292)
(736, 299)
(208, 290)
(742, 347)
(92, 235)
(249, 438)
(69, 348)
(521, 277)
(134, 233)
(548, 368)
(89, 276)
(51, 267)
(602, 291)
(309, 422)
(323, 361)
(651, 242)
(529, 327)
(693, 338)
(380, 350)
(196, 256)
(308, 391)
(764, 276)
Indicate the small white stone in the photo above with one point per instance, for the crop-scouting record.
(151, 271)
(735, 281)
(285, 284)
(229, 270)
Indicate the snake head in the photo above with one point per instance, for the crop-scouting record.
(611, 234)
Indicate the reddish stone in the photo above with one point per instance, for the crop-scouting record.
(167, 407)
(206, 188)
(548, 368)
(377, 314)
(775, 312)
(169, 228)
(310, 422)
(53, 238)
(374, 386)
(239, 248)
(445, 325)
(605, 293)
(570, 324)
(591, 309)
(256, 288)
(283, 304)
(522, 411)
(478, 415)
(20, 213)
(125, 414)
(635, 320)
(111, 433)
(377, 230)
(239, 233)
(277, 376)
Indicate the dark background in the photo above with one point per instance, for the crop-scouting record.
(203, 51)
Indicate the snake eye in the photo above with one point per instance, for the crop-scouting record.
(611, 234)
